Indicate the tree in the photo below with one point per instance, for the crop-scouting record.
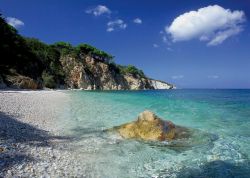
(48, 80)
(40, 61)
(94, 52)
(130, 69)
(63, 47)
(15, 52)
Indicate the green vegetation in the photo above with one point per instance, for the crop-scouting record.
(48, 80)
(15, 53)
(41, 62)
(49, 57)
(130, 69)
(35, 59)
(94, 52)
(63, 47)
(126, 70)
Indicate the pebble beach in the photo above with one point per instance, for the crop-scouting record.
(30, 145)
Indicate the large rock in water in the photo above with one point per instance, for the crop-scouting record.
(150, 127)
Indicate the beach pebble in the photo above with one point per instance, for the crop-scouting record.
(1, 149)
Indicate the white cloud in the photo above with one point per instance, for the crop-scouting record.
(165, 38)
(99, 10)
(137, 20)
(213, 76)
(155, 45)
(14, 22)
(110, 29)
(212, 24)
(115, 25)
(177, 77)
(221, 36)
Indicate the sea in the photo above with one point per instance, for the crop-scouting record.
(219, 119)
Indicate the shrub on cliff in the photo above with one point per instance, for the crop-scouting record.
(49, 57)
(130, 69)
(63, 47)
(94, 52)
(48, 80)
(37, 60)
(114, 68)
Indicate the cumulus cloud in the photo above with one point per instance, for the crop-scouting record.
(14, 22)
(115, 25)
(177, 77)
(212, 24)
(213, 76)
(99, 10)
(137, 21)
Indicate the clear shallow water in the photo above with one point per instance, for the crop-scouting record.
(221, 147)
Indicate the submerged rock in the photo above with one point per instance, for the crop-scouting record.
(150, 127)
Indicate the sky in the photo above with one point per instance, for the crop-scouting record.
(191, 43)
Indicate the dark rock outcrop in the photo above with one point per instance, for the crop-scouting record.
(21, 82)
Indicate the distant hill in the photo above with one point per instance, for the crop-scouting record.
(32, 64)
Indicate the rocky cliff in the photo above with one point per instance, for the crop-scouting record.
(88, 73)
(157, 84)
(28, 63)
(85, 72)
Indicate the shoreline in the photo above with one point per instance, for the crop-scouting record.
(76, 89)
(33, 143)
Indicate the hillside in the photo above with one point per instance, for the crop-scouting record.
(32, 64)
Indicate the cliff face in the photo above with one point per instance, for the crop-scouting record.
(29, 63)
(90, 74)
(87, 73)
(157, 84)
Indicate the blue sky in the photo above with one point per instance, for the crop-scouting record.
(193, 44)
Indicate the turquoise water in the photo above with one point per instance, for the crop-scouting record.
(220, 118)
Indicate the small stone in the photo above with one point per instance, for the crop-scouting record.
(9, 172)
(1, 149)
